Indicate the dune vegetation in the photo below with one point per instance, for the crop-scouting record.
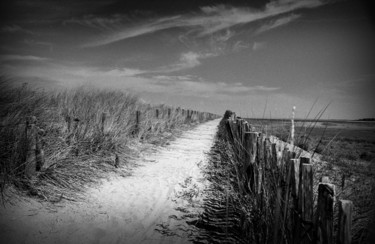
(84, 133)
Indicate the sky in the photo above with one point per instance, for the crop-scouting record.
(257, 58)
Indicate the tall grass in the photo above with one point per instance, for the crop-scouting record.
(354, 178)
(86, 132)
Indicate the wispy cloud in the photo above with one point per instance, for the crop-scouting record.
(135, 80)
(96, 22)
(258, 46)
(277, 23)
(195, 85)
(14, 57)
(207, 21)
(31, 42)
(240, 45)
(15, 29)
(187, 60)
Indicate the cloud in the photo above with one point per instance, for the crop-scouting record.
(39, 43)
(209, 20)
(187, 60)
(96, 22)
(192, 85)
(15, 29)
(258, 46)
(128, 79)
(240, 45)
(277, 23)
(13, 57)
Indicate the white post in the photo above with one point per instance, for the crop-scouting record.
(292, 129)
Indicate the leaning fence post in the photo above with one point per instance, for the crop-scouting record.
(344, 234)
(324, 214)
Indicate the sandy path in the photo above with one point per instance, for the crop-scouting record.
(121, 210)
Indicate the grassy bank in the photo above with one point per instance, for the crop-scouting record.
(84, 133)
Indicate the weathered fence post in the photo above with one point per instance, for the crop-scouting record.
(169, 113)
(288, 180)
(324, 214)
(157, 113)
(188, 115)
(102, 122)
(250, 142)
(229, 130)
(75, 125)
(305, 201)
(40, 159)
(34, 148)
(267, 153)
(344, 234)
(137, 121)
(274, 161)
(277, 216)
(260, 157)
(31, 131)
(68, 120)
(295, 178)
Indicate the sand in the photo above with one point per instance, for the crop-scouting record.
(122, 209)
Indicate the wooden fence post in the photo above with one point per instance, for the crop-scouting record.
(324, 214)
(137, 121)
(75, 125)
(68, 120)
(306, 202)
(169, 113)
(157, 113)
(267, 153)
(274, 160)
(260, 157)
(288, 180)
(102, 122)
(31, 133)
(40, 159)
(295, 178)
(277, 216)
(229, 130)
(344, 234)
(250, 143)
(240, 131)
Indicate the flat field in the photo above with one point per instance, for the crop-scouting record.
(354, 140)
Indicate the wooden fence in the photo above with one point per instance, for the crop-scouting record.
(32, 141)
(278, 178)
